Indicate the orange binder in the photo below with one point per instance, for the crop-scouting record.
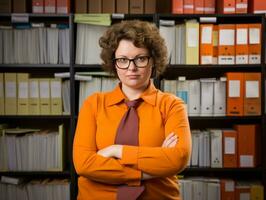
(242, 190)
(122, 6)
(63, 6)
(149, 6)
(229, 148)
(235, 94)
(241, 43)
(226, 6)
(188, 6)
(199, 6)
(226, 44)
(241, 6)
(252, 93)
(227, 189)
(108, 6)
(215, 44)
(206, 44)
(177, 6)
(94, 6)
(37, 6)
(248, 145)
(49, 6)
(254, 43)
(257, 6)
(209, 6)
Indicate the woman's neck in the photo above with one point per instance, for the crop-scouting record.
(133, 93)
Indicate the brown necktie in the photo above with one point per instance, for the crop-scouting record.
(128, 134)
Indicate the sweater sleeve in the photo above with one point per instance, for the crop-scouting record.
(159, 161)
(86, 160)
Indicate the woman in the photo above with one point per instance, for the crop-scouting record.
(109, 167)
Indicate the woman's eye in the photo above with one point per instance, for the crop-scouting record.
(141, 59)
(122, 60)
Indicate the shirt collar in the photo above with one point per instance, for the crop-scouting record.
(116, 96)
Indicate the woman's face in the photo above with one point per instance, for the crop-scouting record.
(133, 77)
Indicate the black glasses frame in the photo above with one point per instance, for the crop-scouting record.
(132, 60)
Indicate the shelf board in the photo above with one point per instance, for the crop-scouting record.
(34, 66)
(37, 117)
(222, 118)
(88, 67)
(198, 122)
(223, 18)
(237, 173)
(47, 15)
(33, 174)
(196, 71)
(209, 169)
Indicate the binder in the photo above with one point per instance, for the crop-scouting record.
(254, 43)
(136, 6)
(10, 93)
(257, 192)
(188, 6)
(192, 42)
(226, 6)
(23, 93)
(81, 6)
(56, 96)
(229, 148)
(20, 6)
(248, 145)
(2, 96)
(257, 6)
(227, 189)
(50, 6)
(194, 98)
(198, 6)
(226, 44)
(182, 86)
(63, 6)
(219, 107)
(177, 7)
(206, 96)
(242, 191)
(37, 6)
(149, 6)
(45, 96)
(167, 31)
(216, 148)
(215, 44)
(122, 6)
(235, 94)
(209, 6)
(94, 6)
(163, 6)
(34, 97)
(206, 44)
(108, 6)
(252, 93)
(241, 6)
(242, 44)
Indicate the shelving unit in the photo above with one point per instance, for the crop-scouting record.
(190, 71)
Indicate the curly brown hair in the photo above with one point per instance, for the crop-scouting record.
(143, 34)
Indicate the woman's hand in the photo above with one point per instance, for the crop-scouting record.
(112, 151)
(170, 141)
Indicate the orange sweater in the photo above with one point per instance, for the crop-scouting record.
(159, 115)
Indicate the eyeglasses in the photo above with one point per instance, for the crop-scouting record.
(140, 62)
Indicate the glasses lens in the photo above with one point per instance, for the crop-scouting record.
(141, 61)
(122, 62)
